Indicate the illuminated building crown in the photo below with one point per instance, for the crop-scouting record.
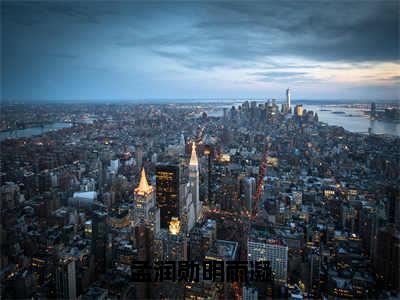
(143, 187)
(174, 226)
(193, 158)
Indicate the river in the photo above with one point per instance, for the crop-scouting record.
(33, 131)
(357, 122)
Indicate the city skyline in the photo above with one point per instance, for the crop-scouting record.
(87, 51)
(197, 150)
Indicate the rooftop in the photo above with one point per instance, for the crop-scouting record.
(143, 188)
(221, 249)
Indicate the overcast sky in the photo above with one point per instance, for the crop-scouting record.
(169, 50)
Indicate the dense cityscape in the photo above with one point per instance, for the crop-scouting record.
(192, 149)
(129, 183)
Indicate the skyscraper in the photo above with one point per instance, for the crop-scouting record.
(314, 259)
(66, 279)
(208, 153)
(298, 111)
(99, 239)
(144, 199)
(373, 110)
(387, 256)
(182, 144)
(167, 193)
(247, 191)
(288, 99)
(194, 182)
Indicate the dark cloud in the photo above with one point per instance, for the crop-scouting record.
(223, 32)
(347, 31)
(198, 36)
(227, 32)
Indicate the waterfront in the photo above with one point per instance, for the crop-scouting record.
(353, 119)
(29, 132)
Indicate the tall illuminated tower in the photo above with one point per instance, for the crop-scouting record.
(288, 99)
(194, 181)
(144, 199)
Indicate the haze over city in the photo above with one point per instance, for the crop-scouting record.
(93, 50)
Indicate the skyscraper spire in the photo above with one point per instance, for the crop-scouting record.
(193, 158)
(143, 187)
(194, 185)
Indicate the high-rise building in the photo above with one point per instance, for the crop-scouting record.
(253, 110)
(167, 193)
(314, 260)
(66, 279)
(171, 244)
(182, 144)
(288, 99)
(226, 136)
(99, 239)
(10, 194)
(201, 238)
(145, 211)
(233, 113)
(373, 109)
(299, 110)
(225, 113)
(262, 247)
(194, 182)
(208, 152)
(247, 191)
(387, 257)
(144, 199)
(221, 250)
(393, 205)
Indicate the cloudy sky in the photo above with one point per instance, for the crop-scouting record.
(169, 50)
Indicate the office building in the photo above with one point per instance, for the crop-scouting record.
(314, 259)
(260, 246)
(167, 193)
(171, 244)
(144, 199)
(298, 110)
(247, 191)
(288, 100)
(373, 109)
(66, 279)
(99, 239)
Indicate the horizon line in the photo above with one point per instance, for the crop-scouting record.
(186, 100)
